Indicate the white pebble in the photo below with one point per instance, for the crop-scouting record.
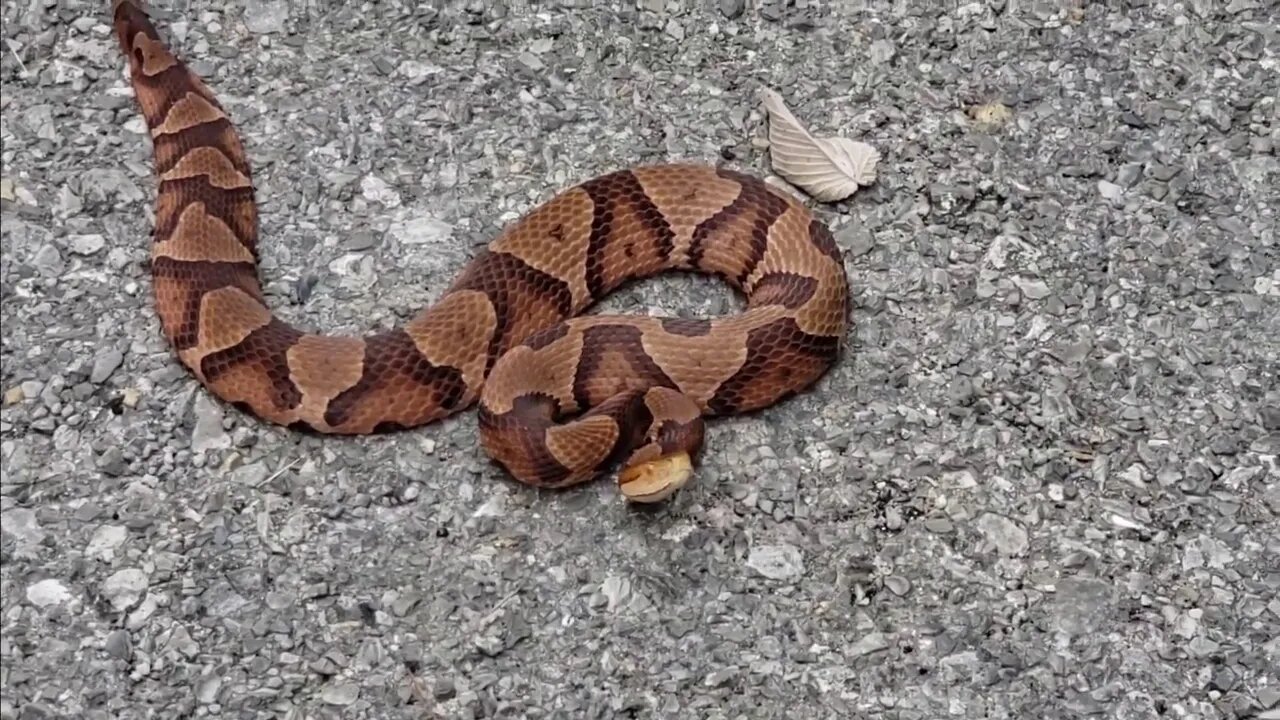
(103, 544)
(375, 189)
(21, 523)
(87, 244)
(424, 230)
(208, 433)
(1008, 536)
(1110, 191)
(48, 592)
(340, 694)
(776, 562)
(125, 587)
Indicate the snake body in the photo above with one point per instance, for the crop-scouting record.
(561, 395)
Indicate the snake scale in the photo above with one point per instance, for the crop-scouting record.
(561, 395)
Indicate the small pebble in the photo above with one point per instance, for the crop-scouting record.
(125, 587)
(87, 244)
(104, 365)
(46, 593)
(340, 693)
(119, 644)
(776, 562)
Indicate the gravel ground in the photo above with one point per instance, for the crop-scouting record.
(1041, 484)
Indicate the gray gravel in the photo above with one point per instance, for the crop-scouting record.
(1042, 484)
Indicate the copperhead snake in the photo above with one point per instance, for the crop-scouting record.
(561, 395)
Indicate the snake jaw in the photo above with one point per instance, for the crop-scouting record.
(656, 480)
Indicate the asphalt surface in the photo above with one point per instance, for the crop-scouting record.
(1042, 482)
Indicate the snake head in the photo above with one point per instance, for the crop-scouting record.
(651, 481)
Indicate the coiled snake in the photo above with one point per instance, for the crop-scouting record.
(561, 395)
